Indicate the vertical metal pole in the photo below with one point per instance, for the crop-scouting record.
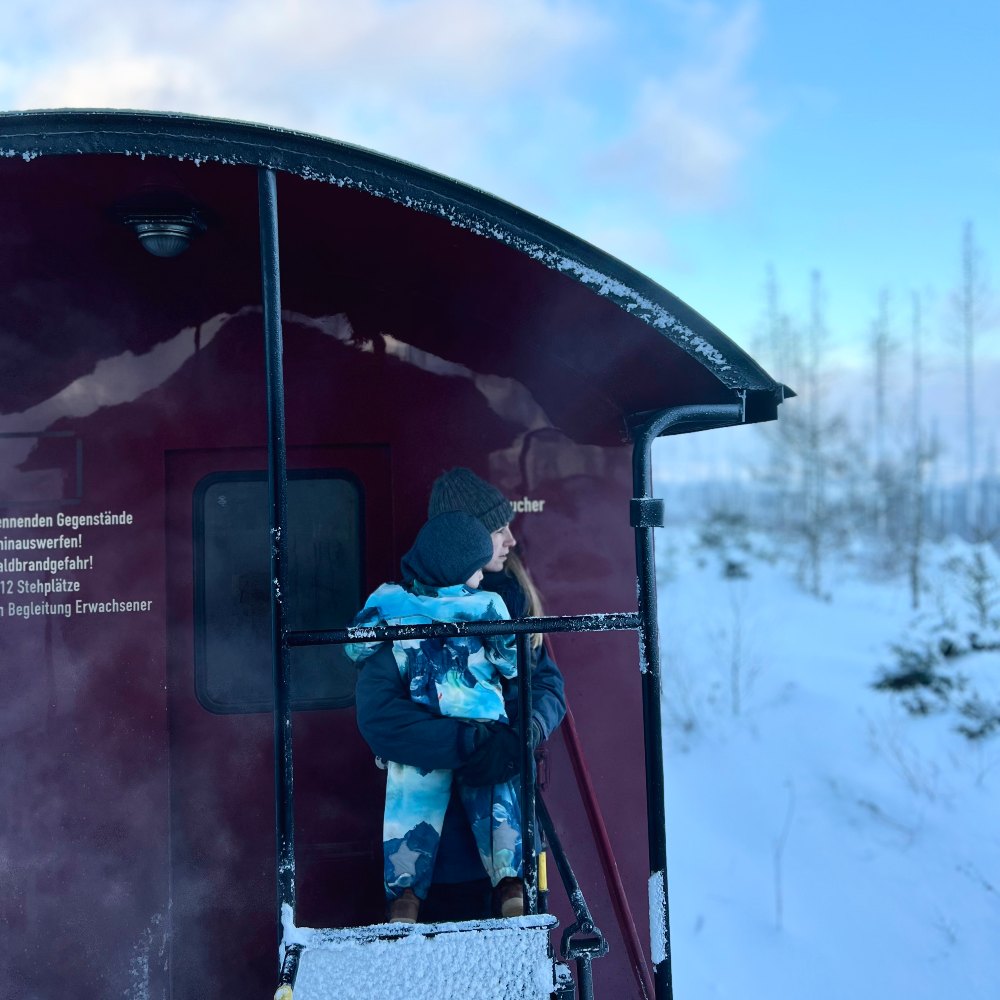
(646, 514)
(585, 978)
(527, 773)
(277, 479)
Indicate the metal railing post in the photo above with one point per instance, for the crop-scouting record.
(528, 837)
(647, 513)
(277, 479)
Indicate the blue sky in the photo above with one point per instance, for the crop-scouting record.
(698, 141)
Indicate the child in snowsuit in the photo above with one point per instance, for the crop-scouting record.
(458, 677)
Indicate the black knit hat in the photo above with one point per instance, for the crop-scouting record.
(448, 549)
(462, 489)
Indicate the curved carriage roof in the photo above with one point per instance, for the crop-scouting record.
(498, 289)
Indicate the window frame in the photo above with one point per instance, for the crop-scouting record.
(200, 624)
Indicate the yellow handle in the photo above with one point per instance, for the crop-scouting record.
(543, 876)
(283, 992)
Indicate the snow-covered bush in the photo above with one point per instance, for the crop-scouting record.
(949, 658)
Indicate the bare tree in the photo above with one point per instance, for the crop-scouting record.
(814, 466)
(882, 347)
(781, 346)
(920, 454)
(972, 306)
(811, 453)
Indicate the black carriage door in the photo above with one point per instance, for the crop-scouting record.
(222, 850)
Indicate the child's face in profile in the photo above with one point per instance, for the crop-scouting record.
(475, 580)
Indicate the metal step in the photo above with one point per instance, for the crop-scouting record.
(473, 960)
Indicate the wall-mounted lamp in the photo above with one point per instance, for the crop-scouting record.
(162, 215)
(167, 233)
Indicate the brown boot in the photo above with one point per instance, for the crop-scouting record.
(511, 893)
(404, 909)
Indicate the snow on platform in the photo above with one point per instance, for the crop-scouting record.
(482, 959)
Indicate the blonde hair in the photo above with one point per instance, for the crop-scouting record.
(519, 571)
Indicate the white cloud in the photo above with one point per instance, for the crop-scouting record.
(408, 75)
(515, 97)
(464, 87)
(691, 125)
(122, 79)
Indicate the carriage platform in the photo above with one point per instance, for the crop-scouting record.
(507, 959)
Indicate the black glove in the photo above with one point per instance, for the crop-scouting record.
(536, 734)
(495, 757)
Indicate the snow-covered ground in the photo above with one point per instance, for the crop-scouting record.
(822, 843)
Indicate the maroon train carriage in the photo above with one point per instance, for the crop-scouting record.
(421, 324)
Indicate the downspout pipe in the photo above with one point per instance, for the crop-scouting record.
(277, 480)
(647, 514)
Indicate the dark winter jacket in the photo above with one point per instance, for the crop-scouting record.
(399, 729)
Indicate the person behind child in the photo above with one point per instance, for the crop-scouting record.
(457, 677)
(398, 728)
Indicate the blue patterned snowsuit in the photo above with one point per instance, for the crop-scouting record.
(457, 677)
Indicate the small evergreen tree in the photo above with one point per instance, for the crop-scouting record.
(963, 632)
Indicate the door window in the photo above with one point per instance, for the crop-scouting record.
(232, 614)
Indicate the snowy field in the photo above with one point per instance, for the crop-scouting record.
(822, 842)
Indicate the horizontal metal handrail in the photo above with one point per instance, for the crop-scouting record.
(450, 630)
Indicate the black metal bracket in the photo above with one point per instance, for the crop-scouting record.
(646, 512)
(583, 941)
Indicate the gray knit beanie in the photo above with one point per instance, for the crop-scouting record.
(462, 489)
(448, 550)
